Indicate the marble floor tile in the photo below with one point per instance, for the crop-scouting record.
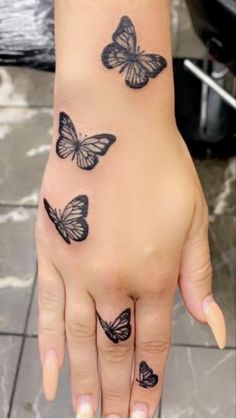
(218, 178)
(32, 328)
(25, 136)
(9, 353)
(17, 266)
(223, 249)
(25, 87)
(29, 401)
(200, 383)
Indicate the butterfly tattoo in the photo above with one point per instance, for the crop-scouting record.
(70, 223)
(124, 52)
(146, 376)
(84, 150)
(120, 329)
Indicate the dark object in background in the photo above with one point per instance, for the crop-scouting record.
(27, 33)
(214, 22)
(218, 137)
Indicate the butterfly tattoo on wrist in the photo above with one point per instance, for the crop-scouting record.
(147, 378)
(124, 53)
(85, 151)
(119, 329)
(70, 223)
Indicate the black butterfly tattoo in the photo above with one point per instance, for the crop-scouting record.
(118, 330)
(70, 223)
(86, 150)
(123, 52)
(146, 376)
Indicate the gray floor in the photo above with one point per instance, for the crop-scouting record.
(200, 378)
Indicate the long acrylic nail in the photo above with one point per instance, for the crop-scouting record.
(139, 411)
(215, 320)
(50, 374)
(84, 407)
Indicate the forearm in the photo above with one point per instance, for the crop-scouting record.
(98, 96)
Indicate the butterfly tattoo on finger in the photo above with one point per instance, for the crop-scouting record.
(85, 151)
(118, 330)
(70, 223)
(147, 378)
(125, 54)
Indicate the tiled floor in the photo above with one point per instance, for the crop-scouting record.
(200, 378)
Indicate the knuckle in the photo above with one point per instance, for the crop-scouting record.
(112, 277)
(48, 298)
(49, 330)
(110, 394)
(115, 354)
(202, 273)
(76, 329)
(154, 346)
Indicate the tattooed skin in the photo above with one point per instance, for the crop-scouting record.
(124, 53)
(84, 151)
(146, 376)
(70, 223)
(119, 329)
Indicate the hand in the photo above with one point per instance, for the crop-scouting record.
(148, 230)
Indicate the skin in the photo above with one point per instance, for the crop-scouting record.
(147, 217)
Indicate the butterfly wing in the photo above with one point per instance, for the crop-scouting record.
(56, 221)
(121, 327)
(124, 43)
(76, 208)
(153, 64)
(91, 148)
(146, 376)
(125, 35)
(52, 213)
(147, 65)
(107, 329)
(67, 141)
(73, 218)
(136, 76)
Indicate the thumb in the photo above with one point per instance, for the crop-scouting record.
(196, 277)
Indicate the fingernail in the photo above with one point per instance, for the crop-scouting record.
(50, 374)
(113, 416)
(84, 407)
(215, 320)
(139, 411)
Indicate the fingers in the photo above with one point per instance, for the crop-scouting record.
(153, 326)
(115, 340)
(80, 333)
(51, 325)
(195, 281)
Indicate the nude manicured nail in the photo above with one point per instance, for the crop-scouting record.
(84, 407)
(50, 374)
(139, 411)
(113, 416)
(215, 320)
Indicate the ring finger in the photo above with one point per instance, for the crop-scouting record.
(153, 328)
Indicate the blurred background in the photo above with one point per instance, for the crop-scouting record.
(200, 379)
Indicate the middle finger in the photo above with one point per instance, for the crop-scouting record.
(115, 340)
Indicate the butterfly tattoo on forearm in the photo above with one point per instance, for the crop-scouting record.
(147, 378)
(119, 329)
(70, 223)
(85, 151)
(124, 53)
